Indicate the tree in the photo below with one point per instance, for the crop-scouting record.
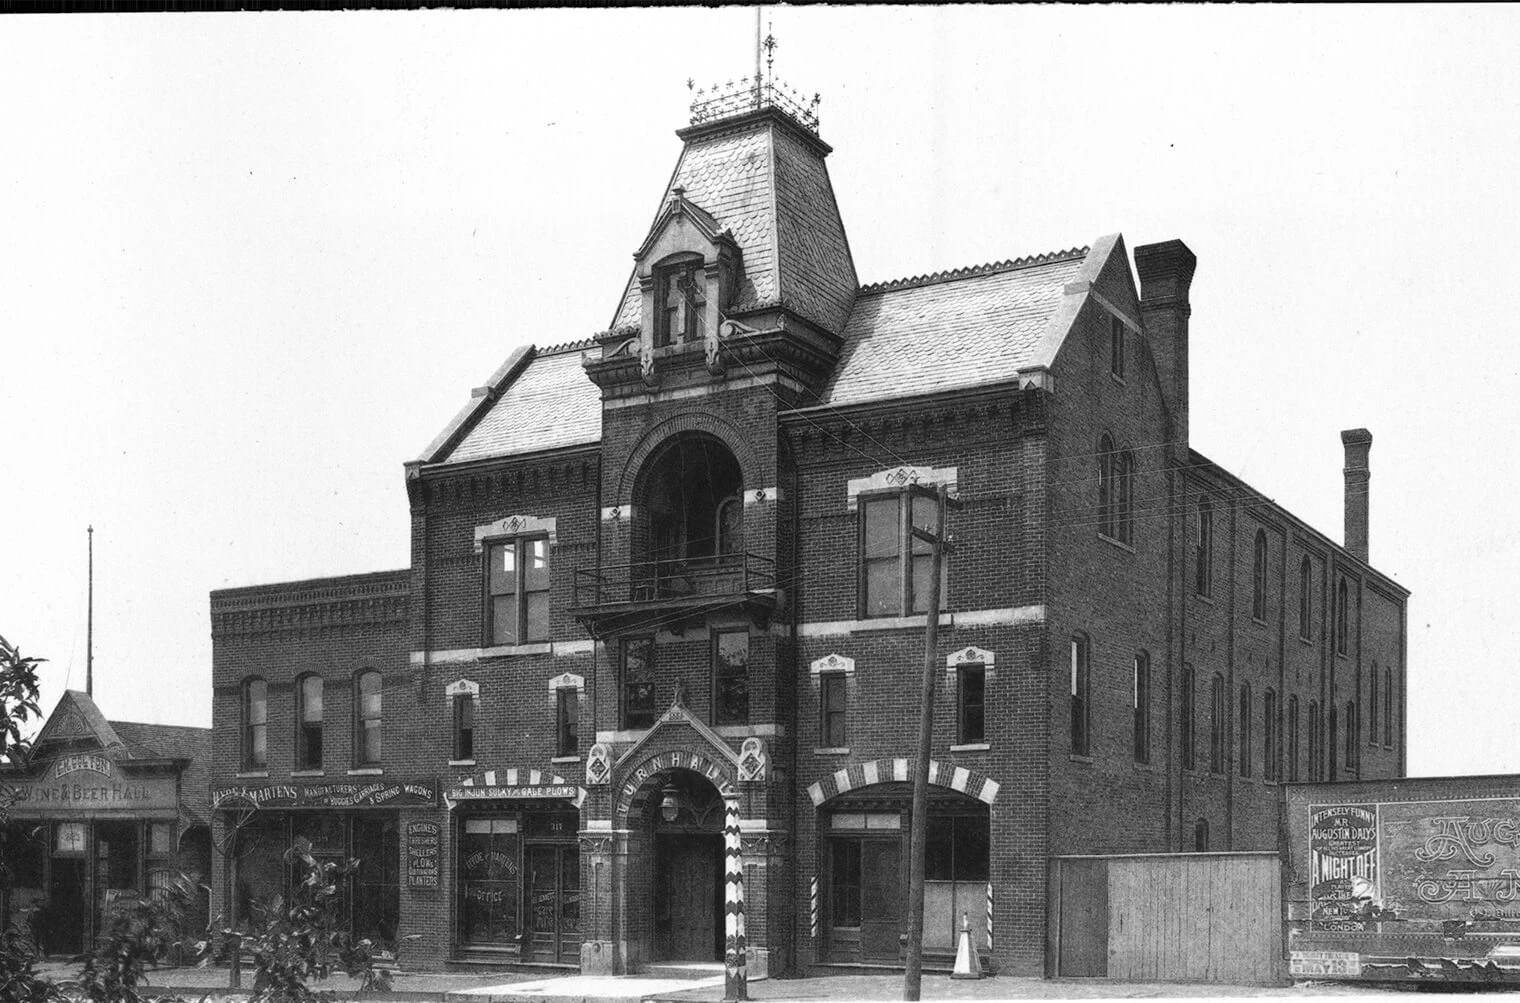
(18, 705)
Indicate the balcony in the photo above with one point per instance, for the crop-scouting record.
(644, 595)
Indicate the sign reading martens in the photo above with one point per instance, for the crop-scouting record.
(332, 795)
(91, 784)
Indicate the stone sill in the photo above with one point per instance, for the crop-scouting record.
(253, 775)
(367, 771)
(1120, 544)
(564, 759)
(461, 762)
(308, 773)
(832, 751)
(972, 747)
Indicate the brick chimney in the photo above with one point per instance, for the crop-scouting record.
(1358, 443)
(1166, 275)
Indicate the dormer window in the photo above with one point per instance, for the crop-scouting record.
(679, 292)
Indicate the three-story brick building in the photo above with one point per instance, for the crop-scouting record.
(663, 580)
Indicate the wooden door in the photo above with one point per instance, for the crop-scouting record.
(687, 903)
(68, 906)
(552, 892)
(883, 900)
(1083, 932)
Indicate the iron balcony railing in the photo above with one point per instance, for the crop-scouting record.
(686, 578)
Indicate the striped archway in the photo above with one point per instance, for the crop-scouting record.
(881, 771)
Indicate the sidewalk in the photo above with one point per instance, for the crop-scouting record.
(704, 987)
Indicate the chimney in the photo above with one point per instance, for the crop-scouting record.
(1358, 443)
(1166, 275)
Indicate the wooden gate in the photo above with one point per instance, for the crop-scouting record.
(1167, 917)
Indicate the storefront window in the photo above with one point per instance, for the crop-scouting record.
(488, 885)
(377, 886)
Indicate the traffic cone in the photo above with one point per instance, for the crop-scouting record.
(968, 964)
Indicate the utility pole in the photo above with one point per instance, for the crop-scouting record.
(918, 830)
(89, 621)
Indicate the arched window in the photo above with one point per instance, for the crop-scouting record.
(1081, 698)
(1351, 728)
(1293, 738)
(1108, 461)
(1245, 730)
(367, 718)
(1305, 598)
(1316, 743)
(1189, 718)
(255, 724)
(1372, 707)
(1388, 708)
(1203, 550)
(1142, 701)
(1259, 577)
(309, 723)
(1125, 532)
(1201, 836)
(1340, 617)
(1216, 724)
(1269, 736)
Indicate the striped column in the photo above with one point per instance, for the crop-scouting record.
(989, 918)
(735, 983)
(813, 907)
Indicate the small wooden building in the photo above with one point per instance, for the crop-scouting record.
(103, 812)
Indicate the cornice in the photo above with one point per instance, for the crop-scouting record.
(388, 608)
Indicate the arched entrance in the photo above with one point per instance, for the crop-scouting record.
(683, 817)
(690, 526)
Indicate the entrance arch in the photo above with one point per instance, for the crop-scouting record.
(677, 814)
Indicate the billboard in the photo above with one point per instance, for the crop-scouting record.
(1404, 878)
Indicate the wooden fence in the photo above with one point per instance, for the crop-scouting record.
(1167, 917)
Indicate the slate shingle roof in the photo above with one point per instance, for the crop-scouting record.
(944, 332)
(550, 405)
(771, 189)
(172, 741)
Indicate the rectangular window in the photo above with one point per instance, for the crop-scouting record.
(1293, 738)
(731, 677)
(1116, 347)
(309, 723)
(1387, 708)
(638, 683)
(1189, 719)
(367, 718)
(255, 724)
(1142, 706)
(567, 709)
(680, 303)
(833, 704)
(895, 565)
(1216, 724)
(1081, 692)
(971, 684)
(517, 591)
(1245, 731)
(464, 727)
(1269, 736)
(1372, 708)
(1203, 551)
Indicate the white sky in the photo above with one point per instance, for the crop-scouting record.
(251, 263)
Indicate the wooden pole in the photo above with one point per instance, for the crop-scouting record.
(918, 830)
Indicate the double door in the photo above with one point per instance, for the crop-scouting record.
(867, 899)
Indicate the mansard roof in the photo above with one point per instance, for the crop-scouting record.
(950, 330)
(537, 400)
(762, 177)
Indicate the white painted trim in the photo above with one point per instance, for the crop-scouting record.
(759, 496)
(614, 513)
(461, 762)
(843, 750)
(457, 656)
(704, 390)
(516, 525)
(971, 655)
(368, 771)
(567, 681)
(972, 747)
(832, 663)
(896, 478)
(462, 688)
(751, 730)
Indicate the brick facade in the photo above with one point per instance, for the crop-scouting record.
(776, 411)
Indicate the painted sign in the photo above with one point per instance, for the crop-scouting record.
(1343, 867)
(90, 795)
(1414, 878)
(422, 843)
(567, 791)
(1324, 963)
(75, 764)
(332, 795)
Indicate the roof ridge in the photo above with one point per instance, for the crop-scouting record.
(974, 271)
(566, 347)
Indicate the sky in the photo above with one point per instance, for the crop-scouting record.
(252, 263)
